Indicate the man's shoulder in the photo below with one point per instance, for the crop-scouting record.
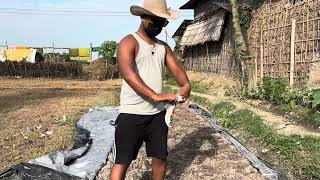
(162, 42)
(128, 44)
(129, 39)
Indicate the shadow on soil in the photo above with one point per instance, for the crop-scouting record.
(184, 153)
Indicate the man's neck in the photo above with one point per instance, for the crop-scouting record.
(144, 36)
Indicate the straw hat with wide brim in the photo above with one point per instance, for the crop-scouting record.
(155, 8)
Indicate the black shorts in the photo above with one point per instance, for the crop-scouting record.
(132, 130)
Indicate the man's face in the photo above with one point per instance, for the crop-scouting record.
(153, 25)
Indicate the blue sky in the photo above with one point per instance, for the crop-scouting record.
(76, 30)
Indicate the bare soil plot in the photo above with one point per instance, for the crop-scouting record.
(38, 115)
(196, 152)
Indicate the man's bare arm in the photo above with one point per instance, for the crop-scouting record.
(178, 73)
(127, 64)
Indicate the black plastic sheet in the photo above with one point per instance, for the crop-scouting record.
(27, 171)
(265, 169)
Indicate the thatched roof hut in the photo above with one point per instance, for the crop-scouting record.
(208, 40)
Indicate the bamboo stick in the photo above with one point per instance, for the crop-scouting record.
(293, 31)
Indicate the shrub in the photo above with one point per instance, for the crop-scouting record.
(278, 92)
(98, 70)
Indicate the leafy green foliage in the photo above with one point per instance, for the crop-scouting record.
(246, 11)
(316, 97)
(222, 109)
(245, 16)
(278, 92)
(273, 89)
(108, 49)
(304, 103)
(168, 75)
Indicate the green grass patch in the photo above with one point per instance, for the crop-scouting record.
(171, 82)
(199, 87)
(302, 154)
(201, 100)
(316, 96)
(168, 89)
(196, 86)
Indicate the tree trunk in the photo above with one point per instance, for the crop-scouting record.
(241, 48)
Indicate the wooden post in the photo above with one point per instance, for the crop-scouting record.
(261, 62)
(53, 47)
(262, 50)
(255, 72)
(90, 51)
(208, 58)
(5, 53)
(292, 51)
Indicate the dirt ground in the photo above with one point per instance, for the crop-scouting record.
(38, 115)
(196, 152)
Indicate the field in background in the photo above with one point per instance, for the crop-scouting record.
(38, 115)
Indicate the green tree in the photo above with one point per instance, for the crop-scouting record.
(107, 50)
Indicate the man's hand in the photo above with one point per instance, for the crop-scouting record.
(165, 97)
(185, 93)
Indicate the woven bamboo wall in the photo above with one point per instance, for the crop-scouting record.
(286, 41)
(213, 56)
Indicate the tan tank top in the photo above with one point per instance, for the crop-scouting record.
(149, 65)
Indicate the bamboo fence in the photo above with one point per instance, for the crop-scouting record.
(43, 69)
(286, 41)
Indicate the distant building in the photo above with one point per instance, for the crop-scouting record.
(207, 41)
(181, 29)
(21, 54)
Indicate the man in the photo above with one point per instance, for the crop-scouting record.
(142, 58)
